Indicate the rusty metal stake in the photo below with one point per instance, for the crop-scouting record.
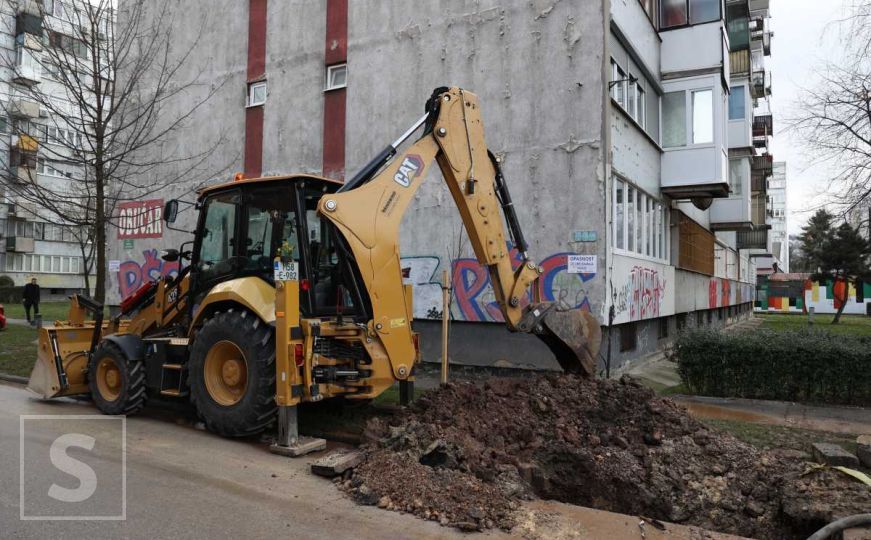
(446, 313)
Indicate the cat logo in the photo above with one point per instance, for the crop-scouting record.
(411, 167)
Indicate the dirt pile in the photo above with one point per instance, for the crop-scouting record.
(465, 454)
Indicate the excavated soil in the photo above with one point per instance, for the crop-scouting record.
(466, 454)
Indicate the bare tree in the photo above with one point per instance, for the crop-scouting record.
(109, 77)
(834, 115)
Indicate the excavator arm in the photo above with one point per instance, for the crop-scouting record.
(368, 210)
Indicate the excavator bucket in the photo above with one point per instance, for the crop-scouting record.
(574, 337)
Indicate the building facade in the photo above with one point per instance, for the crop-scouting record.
(779, 214)
(34, 242)
(626, 127)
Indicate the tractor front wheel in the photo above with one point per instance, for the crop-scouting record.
(232, 374)
(117, 383)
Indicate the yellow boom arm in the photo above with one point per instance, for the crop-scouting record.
(369, 216)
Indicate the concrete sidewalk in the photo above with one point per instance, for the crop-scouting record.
(849, 420)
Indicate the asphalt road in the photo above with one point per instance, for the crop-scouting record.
(180, 482)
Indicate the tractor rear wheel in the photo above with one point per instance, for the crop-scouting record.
(117, 383)
(232, 374)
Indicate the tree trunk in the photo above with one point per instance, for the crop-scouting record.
(843, 300)
(100, 235)
(86, 274)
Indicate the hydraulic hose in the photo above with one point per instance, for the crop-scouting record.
(858, 520)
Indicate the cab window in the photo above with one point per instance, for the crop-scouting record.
(270, 229)
(217, 247)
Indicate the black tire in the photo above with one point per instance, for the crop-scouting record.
(131, 392)
(255, 409)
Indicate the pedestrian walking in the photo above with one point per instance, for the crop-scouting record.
(31, 299)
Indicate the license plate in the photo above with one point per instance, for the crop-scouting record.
(286, 271)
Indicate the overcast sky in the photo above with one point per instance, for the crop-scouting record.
(804, 37)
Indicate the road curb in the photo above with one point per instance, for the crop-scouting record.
(13, 378)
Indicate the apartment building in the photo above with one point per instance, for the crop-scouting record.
(778, 211)
(627, 129)
(34, 242)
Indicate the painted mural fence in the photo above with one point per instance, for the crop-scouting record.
(474, 298)
(798, 293)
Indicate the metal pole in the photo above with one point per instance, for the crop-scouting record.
(446, 313)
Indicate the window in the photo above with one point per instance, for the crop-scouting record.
(639, 222)
(257, 94)
(619, 227)
(702, 11)
(68, 44)
(628, 337)
(674, 119)
(337, 77)
(703, 116)
(618, 84)
(663, 327)
(682, 12)
(217, 250)
(632, 99)
(641, 111)
(630, 212)
(736, 103)
(649, 7)
(736, 177)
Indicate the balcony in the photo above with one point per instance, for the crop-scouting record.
(760, 83)
(763, 164)
(19, 244)
(27, 68)
(23, 108)
(25, 144)
(739, 63)
(763, 127)
(24, 175)
(752, 239)
(759, 211)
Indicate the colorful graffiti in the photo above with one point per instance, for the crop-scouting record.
(725, 292)
(797, 293)
(648, 291)
(474, 299)
(642, 294)
(132, 274)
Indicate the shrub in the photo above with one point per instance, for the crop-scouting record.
(10, 295)
(6, 281)
(809, 365)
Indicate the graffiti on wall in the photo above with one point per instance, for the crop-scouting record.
(797, 293)
(725, 292)
(642, 294)
(132, 274)
(474, 298)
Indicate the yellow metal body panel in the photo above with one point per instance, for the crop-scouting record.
(287, 374)
(253, 293)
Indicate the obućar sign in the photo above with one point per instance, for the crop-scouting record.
(140, 219)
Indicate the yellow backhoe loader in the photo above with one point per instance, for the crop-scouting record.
(294, 291)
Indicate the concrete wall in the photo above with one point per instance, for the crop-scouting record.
(537, 68)
(208, 148)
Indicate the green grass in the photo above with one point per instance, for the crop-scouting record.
(50, 311)
(854, 325)
(765, 436)
(17, 350)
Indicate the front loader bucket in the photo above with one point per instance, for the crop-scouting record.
(61, 361)
(574, 337)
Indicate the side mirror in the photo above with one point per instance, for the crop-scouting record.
(170, 211)
(169, 255)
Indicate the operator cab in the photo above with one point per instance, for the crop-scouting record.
(243, 226)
